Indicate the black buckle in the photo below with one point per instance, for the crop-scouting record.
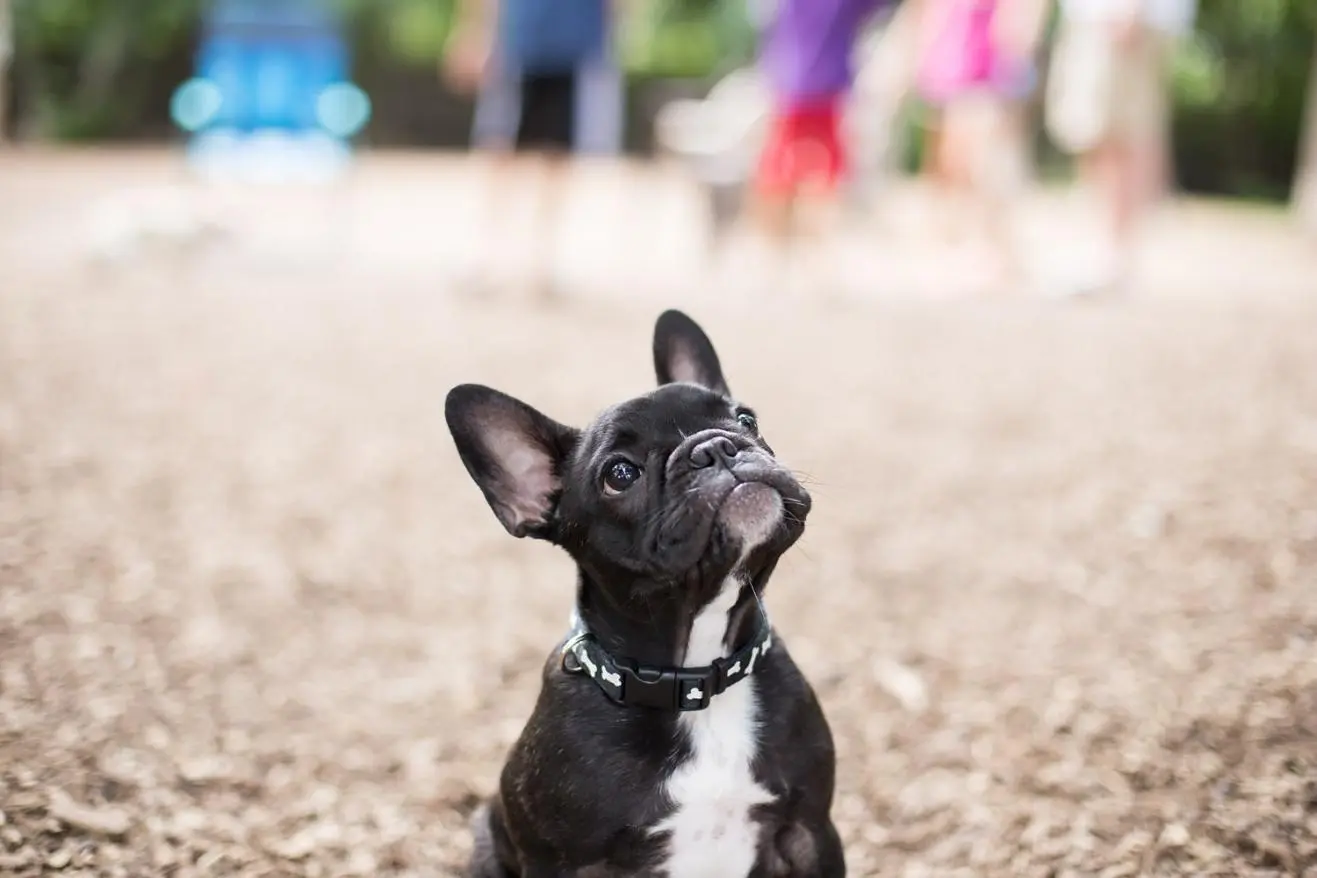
(665, 688)
(625, 682)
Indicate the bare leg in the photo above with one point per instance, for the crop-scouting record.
(945, 173)
(1114, 172)
(1131, 168)
(771, 224)
(553, 172)
(1002, 177)
(499, 183)
(1123, 193)
(774, 215)
(971, 160)
(818, 227)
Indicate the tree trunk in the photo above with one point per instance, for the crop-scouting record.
(1305, 195)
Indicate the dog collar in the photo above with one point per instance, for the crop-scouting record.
(629, 683)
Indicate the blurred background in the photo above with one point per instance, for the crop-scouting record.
(691, 118)
(104, 73)
(1046, 361)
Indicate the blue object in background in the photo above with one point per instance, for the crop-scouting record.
(273, 92)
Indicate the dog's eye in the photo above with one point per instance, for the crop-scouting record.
(748, 421)
(620, 475)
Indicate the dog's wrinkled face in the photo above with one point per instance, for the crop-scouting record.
(678, 482)
(673, 488)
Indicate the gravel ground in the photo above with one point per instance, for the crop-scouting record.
(1058, 595)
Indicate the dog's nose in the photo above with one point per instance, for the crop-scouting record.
(718, 450)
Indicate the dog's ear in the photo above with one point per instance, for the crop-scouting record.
(515, 455)
(682, 352)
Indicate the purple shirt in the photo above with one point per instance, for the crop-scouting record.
(807, 49)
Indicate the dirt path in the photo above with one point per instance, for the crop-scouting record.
(1059, 594)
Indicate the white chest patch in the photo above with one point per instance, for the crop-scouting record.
(711, 833)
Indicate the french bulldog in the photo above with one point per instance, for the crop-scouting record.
(673, 735)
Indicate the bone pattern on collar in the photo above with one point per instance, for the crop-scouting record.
(682, 689)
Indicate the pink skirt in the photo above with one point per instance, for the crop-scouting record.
(963, 57)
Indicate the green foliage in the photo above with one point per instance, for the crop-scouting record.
(1239, 86)
(407, 32)
(686, 38)
(86, 62)
(75, 27)
(1198, 75)
(418, 29)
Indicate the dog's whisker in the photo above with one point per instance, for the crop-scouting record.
(806, 479)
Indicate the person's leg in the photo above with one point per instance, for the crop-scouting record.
(1113, 173)
(772, 197)
(1101, 173)
(501, 176)
(600, 128)
(934, 168)
(763, 230)
(958, 149)
(1119, 167)
(546, 137)
(1000, 181)
(1150, 159)
(1123, 159)
(494, 137)
(967, 221)
(823, 168)
(770, 211)
(1130, 162)
(1132, 169)
(933, 165)
(599, 120)
(554, 173)
(771, 200)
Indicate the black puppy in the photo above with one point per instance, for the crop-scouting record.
(673, 735)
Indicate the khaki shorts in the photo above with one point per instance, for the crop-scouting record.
(1099, 92)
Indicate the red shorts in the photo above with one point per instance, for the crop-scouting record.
(804, 149)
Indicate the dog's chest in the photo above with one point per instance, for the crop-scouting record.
(711, 831)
